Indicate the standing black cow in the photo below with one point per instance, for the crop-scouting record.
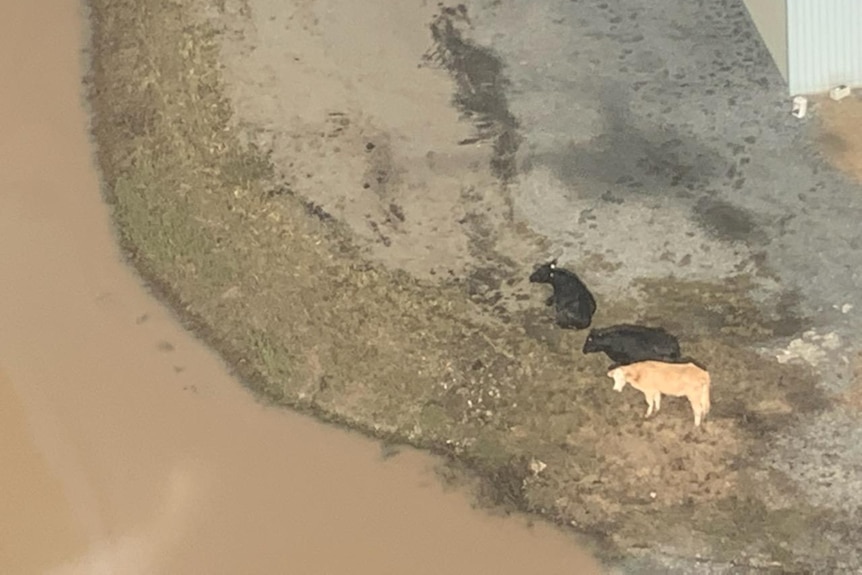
(573, 302)
(626, 344)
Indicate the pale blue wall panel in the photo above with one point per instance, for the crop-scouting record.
(824, 44)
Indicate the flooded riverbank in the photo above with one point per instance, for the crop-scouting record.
(132, 449)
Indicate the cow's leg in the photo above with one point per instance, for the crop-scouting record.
(697, 408)
(656, 399)
(648, 399)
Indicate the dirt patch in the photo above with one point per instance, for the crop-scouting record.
(251, 246)
(375, 141)
(840, 134)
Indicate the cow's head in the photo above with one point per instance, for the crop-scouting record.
(619, 378)
(544, 274)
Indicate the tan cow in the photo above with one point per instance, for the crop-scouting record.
(655, 378)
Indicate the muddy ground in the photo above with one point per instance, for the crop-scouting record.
(333, 211)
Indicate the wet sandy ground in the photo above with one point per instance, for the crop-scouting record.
(126, 445)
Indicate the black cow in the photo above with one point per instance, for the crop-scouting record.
(574, 304)
(626, 344)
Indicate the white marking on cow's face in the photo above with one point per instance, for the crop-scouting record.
(619, 379)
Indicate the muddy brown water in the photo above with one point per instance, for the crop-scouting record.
(125, 445)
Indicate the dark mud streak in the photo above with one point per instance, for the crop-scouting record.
(311, 208)
(480, 86)
(727, 222)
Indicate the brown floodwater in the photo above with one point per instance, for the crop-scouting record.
(126, 447)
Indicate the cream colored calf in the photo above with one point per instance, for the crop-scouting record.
(655, 378)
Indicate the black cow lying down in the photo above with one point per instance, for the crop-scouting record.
(573, 302)
(626, 344)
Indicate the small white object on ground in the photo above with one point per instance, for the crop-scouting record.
(537, 466)
(800, 106)
(839, 92)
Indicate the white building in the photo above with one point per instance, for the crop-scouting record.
(816, 44)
